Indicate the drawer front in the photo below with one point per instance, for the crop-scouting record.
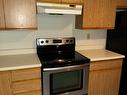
(108, 64)
(25, 74)
(26, 86)
(31, 93)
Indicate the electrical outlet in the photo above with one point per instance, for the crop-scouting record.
(88, 36)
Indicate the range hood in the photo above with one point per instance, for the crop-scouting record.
(52, 8)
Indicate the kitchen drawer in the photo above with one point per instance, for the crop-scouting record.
(26, 86)
(107, 64)
(26, 74)
(31, 93)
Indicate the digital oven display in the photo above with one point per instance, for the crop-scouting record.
(57, 41)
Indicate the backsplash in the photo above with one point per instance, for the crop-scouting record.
(52, 26)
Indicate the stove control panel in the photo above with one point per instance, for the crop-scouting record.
(55, 41)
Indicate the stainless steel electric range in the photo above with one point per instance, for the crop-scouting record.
(64, 71)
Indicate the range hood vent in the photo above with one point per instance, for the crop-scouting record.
(52, 8)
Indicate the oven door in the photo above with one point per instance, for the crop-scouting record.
(69, 80)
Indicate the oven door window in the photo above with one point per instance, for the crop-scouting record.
(66, 81)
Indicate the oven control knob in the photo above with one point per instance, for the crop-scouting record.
(67, 41)
(71, 41)
(46, 41)
(42, 42)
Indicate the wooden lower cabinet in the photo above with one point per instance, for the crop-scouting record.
(21, 82)
(5, 83)
(104, 77)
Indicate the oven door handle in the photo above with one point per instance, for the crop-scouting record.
(66, 68)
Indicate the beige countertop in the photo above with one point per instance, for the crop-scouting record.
(31, 60)
(100, 54)
(19, 61)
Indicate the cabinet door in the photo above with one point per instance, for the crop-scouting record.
(104, 77)
(99, 14)
(2, 22)
(5, 83)
(72, 1)
(50, 1)
(122, 3)
(20, 13)
(104, 82)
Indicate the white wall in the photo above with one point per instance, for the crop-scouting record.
(52, 26)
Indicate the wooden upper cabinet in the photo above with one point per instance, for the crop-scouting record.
(121, 3)
(20, 13)
(49, 1)
(5, 83)
(99, 14)
(2, 22)
(72, 1)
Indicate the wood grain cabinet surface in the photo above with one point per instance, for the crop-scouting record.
(21, 82)
(99, 14)
(104, 77)
(121, 3)
(26, 86)
(26, 74)
(18, 14)
(63, 1)
(38, 92)
(2, 22)
(5, 83)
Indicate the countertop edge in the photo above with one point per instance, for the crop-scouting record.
(104, 54)
(19, 67)
(111, 58)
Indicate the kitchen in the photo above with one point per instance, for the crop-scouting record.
(23, 41)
